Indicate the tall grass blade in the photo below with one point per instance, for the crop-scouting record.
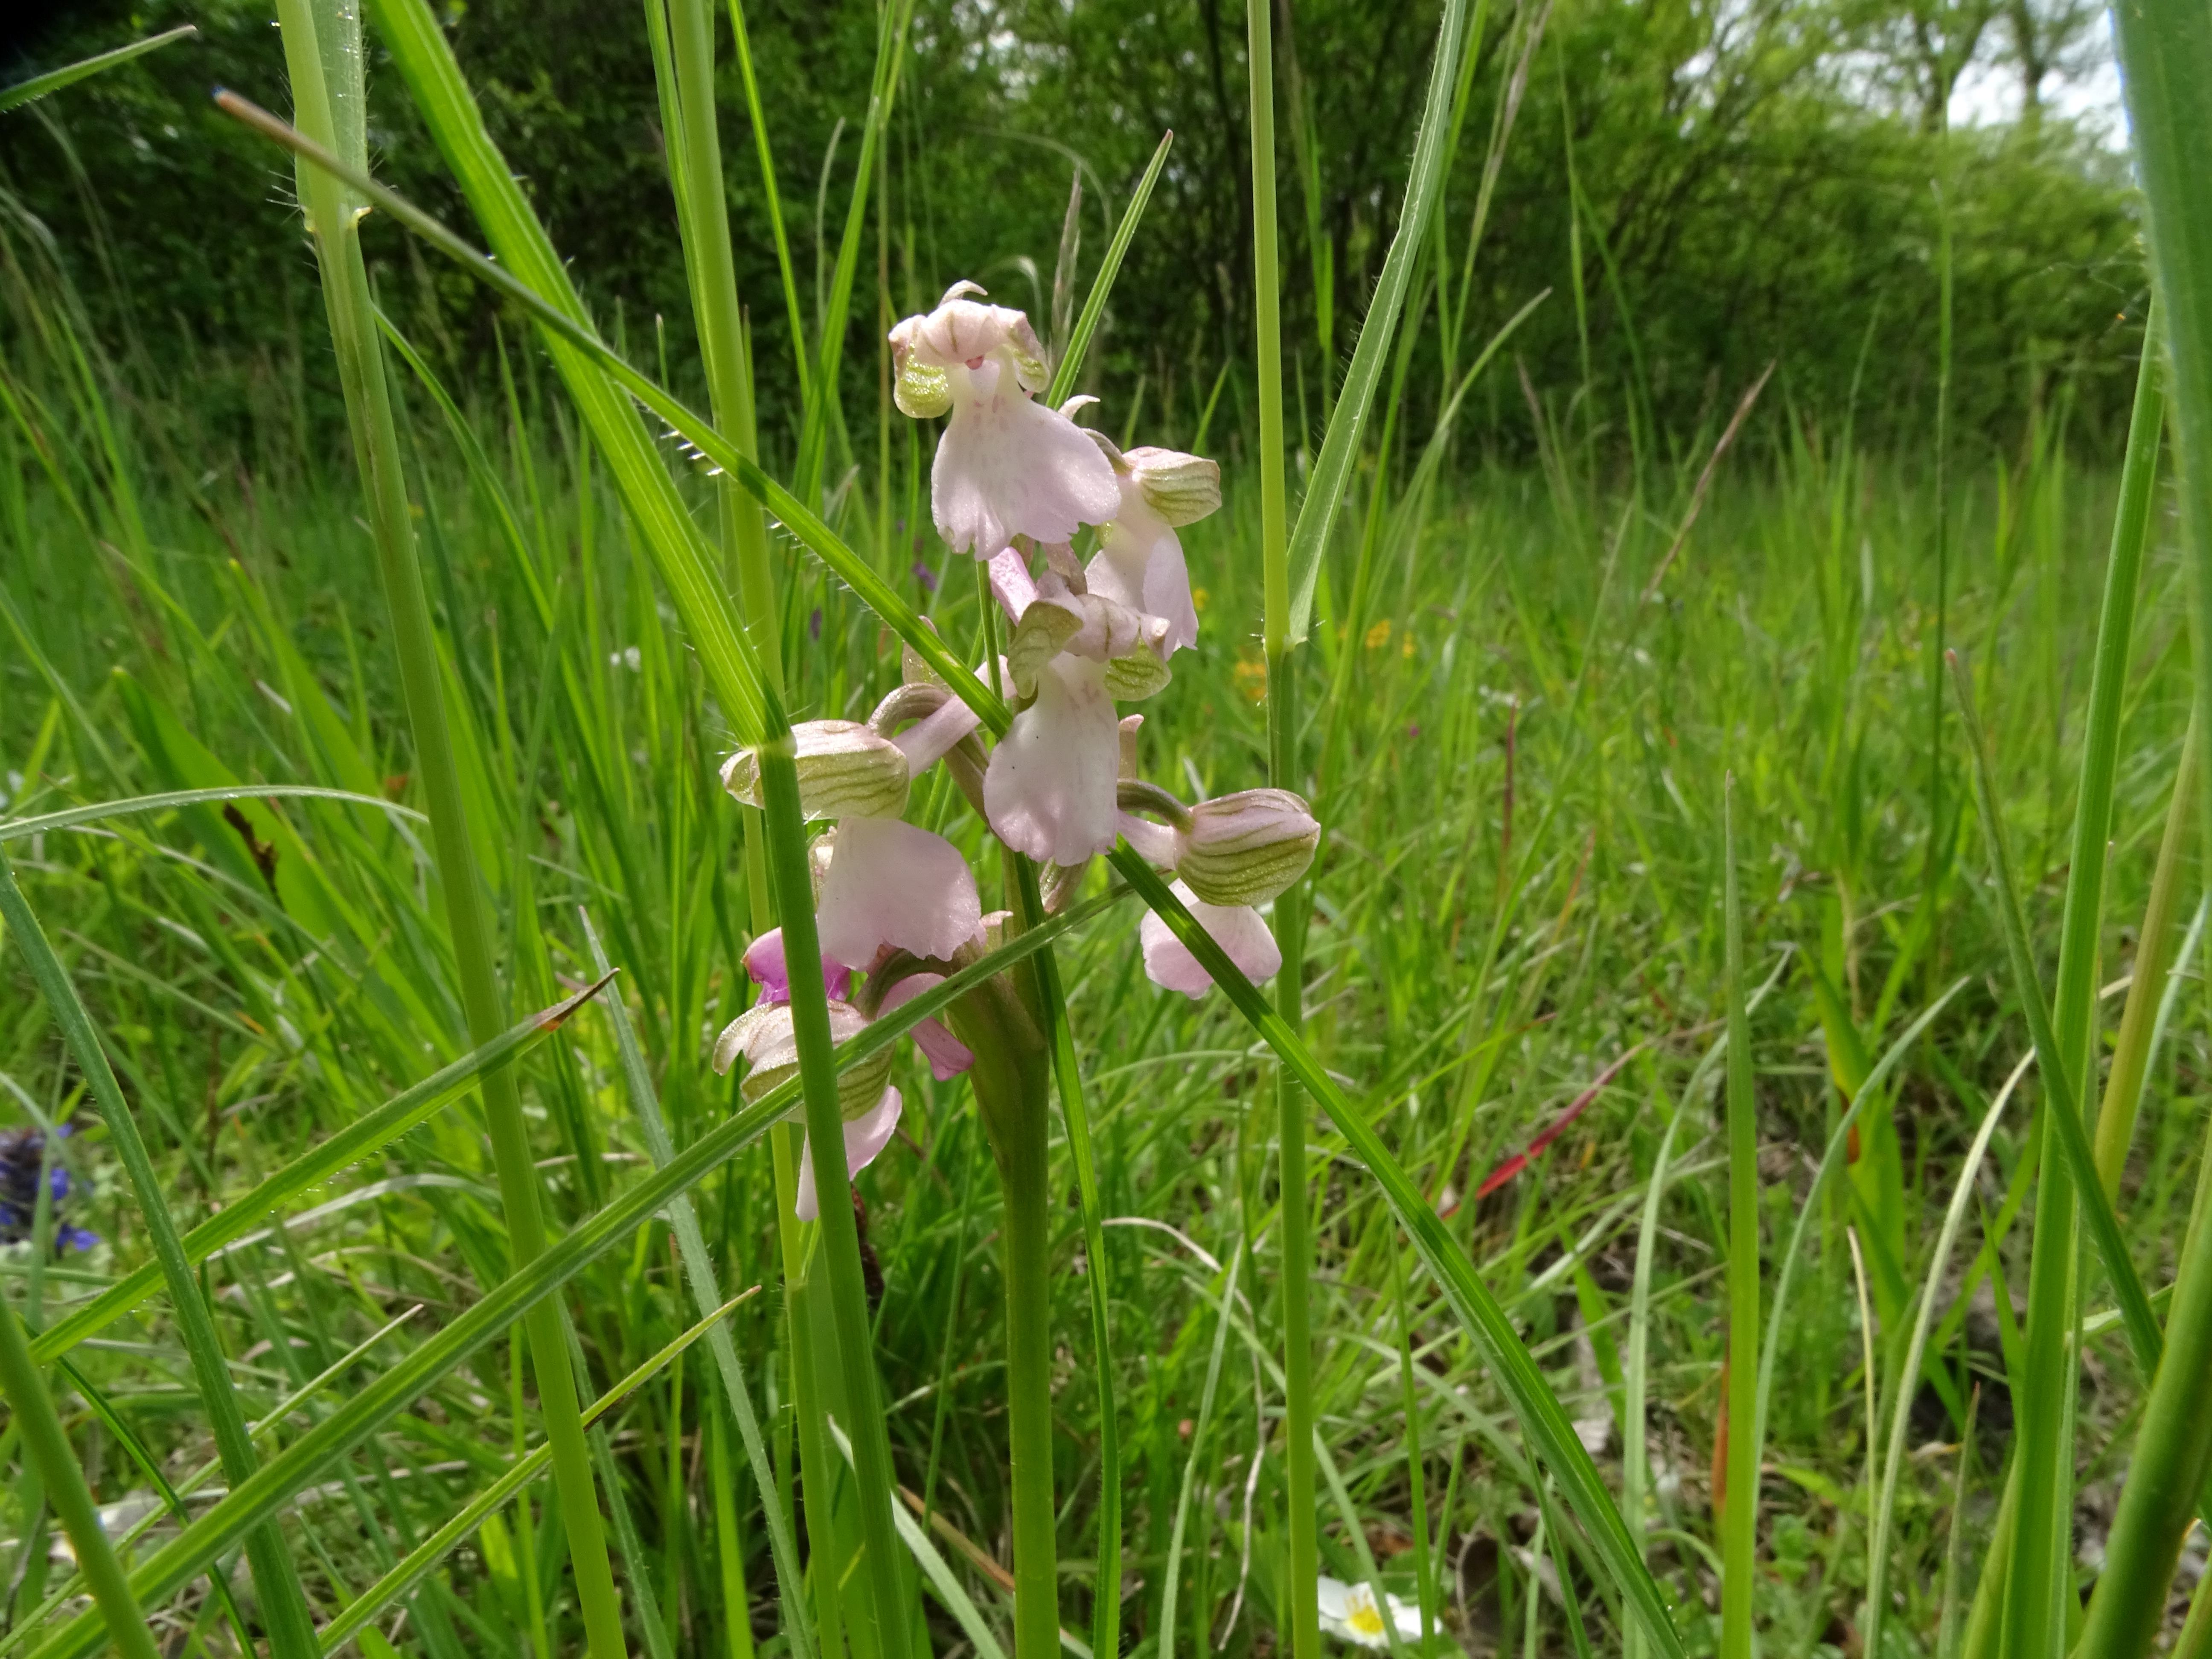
(1339, 444)
(1201, 1429)
(38, 86)
(1077, 343)
(321, 36)
(680, 554)
(2165, 49)
(706, 1293)
(48, 1446)
(98, 811)
(2057, 1080)
(2137, 1043)
(1885, 1498)
(276, 1576)
(1739, 1512)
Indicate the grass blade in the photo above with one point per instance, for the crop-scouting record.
(2057, 1078)
(699, 1270)
(1739, 1513)
(1339, 444)
(16, 829)
(1094, 304)
(48, 1448)
(276, 1578)
(1884, 1499)
(38, 86)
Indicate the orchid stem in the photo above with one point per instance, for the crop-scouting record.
(1304, 1610)
(1027, 1244)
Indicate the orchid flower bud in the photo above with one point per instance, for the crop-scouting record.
(1247, 847)
(846, 769)
(763, 1037)
(1180, 489)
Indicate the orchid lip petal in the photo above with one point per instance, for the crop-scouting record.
(1006, 466)
(1239, 930)
(865, 1140)
(947, 1055)
(1049, 790)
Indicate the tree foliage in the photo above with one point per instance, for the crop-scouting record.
(1702, 186)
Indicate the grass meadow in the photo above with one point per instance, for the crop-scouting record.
(1531, 695)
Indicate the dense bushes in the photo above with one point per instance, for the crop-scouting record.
(1735, 186)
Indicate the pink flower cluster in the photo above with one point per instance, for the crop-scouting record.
(1013, 484)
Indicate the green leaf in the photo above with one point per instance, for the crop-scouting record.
(38, 86)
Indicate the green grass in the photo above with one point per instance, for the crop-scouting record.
(1521, 765)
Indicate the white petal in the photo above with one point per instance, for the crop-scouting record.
(1050, 788)
(865, 1141)
(1239, 930)
(891, 883)
(1007, 466)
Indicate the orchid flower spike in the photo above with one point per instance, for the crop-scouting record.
(1006, 465)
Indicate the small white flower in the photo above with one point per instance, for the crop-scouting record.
(1238, 929)
(1006, 465)
(1348, 1612)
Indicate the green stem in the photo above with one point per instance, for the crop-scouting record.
(284, 1605)
(884, 1603)
(376, 450)
(1268, 349)
(1739, 1512)
(1302, 1607)
(49, 1449)
(1026, 1251)
(1012, 1079)
(1106, 1596)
